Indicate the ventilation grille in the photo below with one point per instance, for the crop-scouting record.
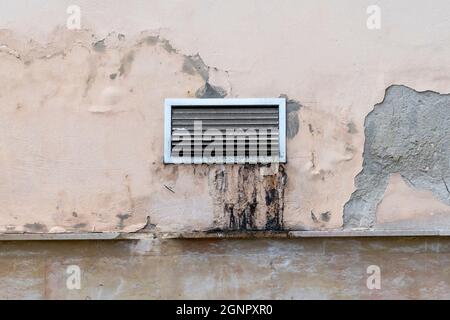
(223, 131)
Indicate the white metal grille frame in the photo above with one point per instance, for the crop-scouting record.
(232, 104)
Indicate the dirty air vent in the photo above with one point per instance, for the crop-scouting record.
(225, 130)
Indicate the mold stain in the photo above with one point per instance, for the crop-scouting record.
(247, 199)
(274, 186)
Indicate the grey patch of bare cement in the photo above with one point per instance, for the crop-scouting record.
(195, 64)
(168, 46)
(99, 46)
(209, 91)
(407, 133)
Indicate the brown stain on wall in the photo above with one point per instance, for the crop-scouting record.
(248, 197)
(274, 186)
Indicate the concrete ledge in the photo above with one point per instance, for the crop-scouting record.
(59, 236)
(223, 235)
(368, 233)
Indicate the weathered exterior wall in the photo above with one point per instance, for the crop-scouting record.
(410, 268)
(82, 115)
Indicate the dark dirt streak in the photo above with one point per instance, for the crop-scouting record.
(250, 199)
(274, 200)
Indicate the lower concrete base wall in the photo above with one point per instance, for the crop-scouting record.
(323, 268)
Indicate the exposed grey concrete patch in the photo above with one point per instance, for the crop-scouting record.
(407, 133)
(209, 91)
(351, 128)
(325, 216)
(99, 46)
(148, 228)
(168, 46)
(194, 64)
(151, 40)
(292, 120)
(125, 64)
(314, 218)
(122, 218)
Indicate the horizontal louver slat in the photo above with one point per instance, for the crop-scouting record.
(226, 122)
(226, 110)
(208, 116)
(209, 139)
(252, 133)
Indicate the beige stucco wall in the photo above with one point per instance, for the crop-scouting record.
(82, 110)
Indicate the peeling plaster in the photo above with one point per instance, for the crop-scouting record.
(108, 79)
(209, 91)
(195, 64)
(407, 133)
